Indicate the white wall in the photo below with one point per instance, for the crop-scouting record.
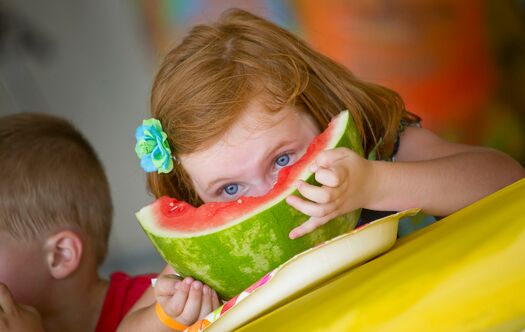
(97, 75)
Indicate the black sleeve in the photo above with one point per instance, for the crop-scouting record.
(403, 124)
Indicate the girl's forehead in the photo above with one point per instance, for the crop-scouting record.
(256, 128)
(256, 120)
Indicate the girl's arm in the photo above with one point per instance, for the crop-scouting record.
(185, 301)
(430, 173)
(438, 176)
(142, 316)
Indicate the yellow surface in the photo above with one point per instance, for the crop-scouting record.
(463, 273)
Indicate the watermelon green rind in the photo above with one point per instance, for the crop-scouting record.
(247, 260)
(231, 257)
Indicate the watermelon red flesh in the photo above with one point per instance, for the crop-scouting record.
(230, 245)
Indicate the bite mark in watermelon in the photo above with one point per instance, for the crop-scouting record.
(230, 245)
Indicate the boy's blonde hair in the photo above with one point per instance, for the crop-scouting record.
(51, 179)
(204, 83)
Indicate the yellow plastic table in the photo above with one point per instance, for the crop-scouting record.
(463, 273)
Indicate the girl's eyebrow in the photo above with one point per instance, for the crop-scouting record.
(266, 155)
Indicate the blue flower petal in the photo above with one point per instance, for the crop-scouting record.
(147, 164)
(156, 154)
(139, 133)
(167, 166)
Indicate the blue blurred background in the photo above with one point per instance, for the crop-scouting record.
(460, 65)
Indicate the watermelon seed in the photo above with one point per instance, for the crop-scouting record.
(174, 208)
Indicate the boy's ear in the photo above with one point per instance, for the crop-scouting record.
(63, 253)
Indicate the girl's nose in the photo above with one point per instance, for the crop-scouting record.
(264, 185)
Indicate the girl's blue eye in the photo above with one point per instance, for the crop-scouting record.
(282, 160)
(231, 189)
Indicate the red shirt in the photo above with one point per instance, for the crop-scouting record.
(123, 292)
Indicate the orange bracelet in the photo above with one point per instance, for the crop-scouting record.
(167, 320)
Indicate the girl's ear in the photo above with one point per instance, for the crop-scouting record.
(63, 252)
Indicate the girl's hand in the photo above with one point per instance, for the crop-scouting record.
(16, 317)
(346, 180)
(186, 300)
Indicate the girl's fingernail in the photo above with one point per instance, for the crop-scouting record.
(188, 280)
(292, 235)
(205, 289)
(197, 285)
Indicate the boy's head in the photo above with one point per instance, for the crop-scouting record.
(55, 204)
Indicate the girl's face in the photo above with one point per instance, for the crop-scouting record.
(246, 160)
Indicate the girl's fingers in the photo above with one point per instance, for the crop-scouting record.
(193, 304)
(320, 195)
(309, 208)
(328, 177)
(308, 226)
(206, 306)
(165, 285)
(215, 300)
(7, 304)
(328, 157)
(175, 305)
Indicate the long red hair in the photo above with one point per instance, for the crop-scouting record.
(203, 84)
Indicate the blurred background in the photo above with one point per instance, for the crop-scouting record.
(460, 65)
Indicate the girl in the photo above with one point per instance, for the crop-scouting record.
(242, 98)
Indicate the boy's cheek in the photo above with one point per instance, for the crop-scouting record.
(26, 289)
(24, 274)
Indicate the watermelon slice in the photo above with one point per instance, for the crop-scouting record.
(230, 245)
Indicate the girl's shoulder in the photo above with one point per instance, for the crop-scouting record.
(404, 123)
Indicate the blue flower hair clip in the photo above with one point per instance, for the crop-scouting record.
(153, 148)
